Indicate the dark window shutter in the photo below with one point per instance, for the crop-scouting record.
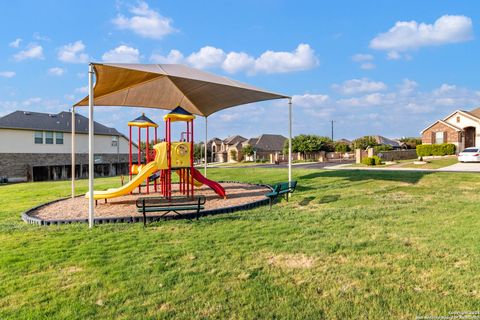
(432, 137)
(445, 137)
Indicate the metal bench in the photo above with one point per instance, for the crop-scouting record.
(281, 189)
(175, 204)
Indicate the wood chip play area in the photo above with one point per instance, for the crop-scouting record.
(238, 194)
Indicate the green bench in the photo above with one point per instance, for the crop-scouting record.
(281, 190)
(175, 204)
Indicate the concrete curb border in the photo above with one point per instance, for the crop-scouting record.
(26, 216)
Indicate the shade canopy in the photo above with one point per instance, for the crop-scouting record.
(166, 86)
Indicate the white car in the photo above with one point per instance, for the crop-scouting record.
(469, 155)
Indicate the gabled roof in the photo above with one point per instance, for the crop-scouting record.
(270, 142)
(442, 122)
(60, 122)
(386, 141)
(251, 141)
(475, 114)
(234, 139)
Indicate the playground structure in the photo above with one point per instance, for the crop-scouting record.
(165, 158)
(141, 122)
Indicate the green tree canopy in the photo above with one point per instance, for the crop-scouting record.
(248, 150)
(309, 143)
(364, 142)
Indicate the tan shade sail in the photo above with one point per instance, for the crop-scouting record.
(165, 86)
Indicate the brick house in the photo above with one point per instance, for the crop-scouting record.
(462, 128)
(36, 146)
(266, 147)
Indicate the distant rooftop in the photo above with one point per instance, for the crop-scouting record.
(60, 122)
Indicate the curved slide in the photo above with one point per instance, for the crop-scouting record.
(146, 171)
(215, 186)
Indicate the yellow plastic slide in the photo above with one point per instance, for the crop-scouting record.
(143, 175)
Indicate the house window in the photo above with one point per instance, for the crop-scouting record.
(438, 137)
(59, 137)
(38, 137)
(114, 141)
(458, 119)
(48, 137)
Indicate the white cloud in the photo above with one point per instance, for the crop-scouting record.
(407, 87)
(238, 61)
(56, 71)
(145, 22)
(408, 35)
(73, 53)
(445, 88)
(33, 51)
(367, 66)
(373, 99)
(15, 43)
(39, 37)
(174, 56)
(7, 74)
(394, 55)
(122, 54)
(302, 58)
(207, 57)
(355, 86)
(360, 57)
(83, 89)
(310, 100)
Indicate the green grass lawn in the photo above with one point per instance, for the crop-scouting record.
(434, 163)
(349, 245)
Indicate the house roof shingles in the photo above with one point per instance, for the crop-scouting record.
(270, 142)
(60, 122)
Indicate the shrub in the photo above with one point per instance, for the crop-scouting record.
(372, 161)
(435, 149)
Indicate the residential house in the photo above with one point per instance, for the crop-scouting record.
(36, 146)
(266, 147)
(462, 128)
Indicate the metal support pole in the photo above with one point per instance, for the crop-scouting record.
(73, 152)
(91, 149)
(289, 141)
(206, 139)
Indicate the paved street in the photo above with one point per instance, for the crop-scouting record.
(463, 167)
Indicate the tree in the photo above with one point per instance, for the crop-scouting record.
(309, 143)
(233, 155)
(199, 151)
(364, 142)
(342, 147)
(411, 142)
(248, 150)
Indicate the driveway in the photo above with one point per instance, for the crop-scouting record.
(463, 167)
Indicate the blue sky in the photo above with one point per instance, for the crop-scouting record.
(374, 67)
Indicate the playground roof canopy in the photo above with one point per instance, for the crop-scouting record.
(166, 86)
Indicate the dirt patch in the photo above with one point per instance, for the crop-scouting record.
(291, 261)
(77, 208)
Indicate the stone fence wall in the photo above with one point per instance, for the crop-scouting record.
(398, 155)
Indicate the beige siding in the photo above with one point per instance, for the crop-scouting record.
(22, 141)
(465, 122)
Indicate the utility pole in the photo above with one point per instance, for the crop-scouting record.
(332, 121)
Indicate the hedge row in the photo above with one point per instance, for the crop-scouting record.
(435, 149)
(372, 161)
